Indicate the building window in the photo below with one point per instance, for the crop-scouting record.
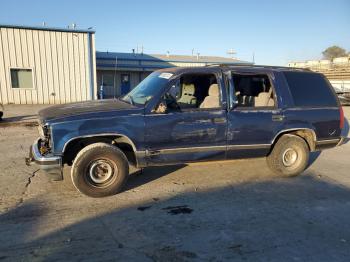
(21, 78)
(107, 80)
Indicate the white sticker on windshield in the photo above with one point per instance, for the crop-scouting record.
(165, 75)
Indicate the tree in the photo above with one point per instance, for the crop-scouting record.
(333, 52)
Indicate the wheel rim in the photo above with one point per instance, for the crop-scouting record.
(289, 157)
(101, 171)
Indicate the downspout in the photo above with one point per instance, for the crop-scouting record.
(91, 78)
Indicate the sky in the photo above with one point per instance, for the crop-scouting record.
(274, 32)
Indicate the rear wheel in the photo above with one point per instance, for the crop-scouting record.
(289, 156)
(100, 170)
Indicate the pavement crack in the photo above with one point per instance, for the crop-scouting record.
(29, 181)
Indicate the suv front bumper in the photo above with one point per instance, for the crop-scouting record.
(52, 165)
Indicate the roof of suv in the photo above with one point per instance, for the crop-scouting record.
(277, 68)
(235, 67)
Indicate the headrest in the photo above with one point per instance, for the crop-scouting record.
(264, 94)
(188, 89)
(213, 90)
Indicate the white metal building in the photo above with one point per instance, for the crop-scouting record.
(40, 65)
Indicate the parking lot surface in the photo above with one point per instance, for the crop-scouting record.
(222, 211)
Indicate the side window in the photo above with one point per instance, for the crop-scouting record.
(310, 89)
(107, 80)
(194, 91)
(253, 91)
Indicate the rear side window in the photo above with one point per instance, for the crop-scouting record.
(310, 89)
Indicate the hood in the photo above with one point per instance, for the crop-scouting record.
(74, 109)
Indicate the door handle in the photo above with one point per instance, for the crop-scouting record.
(201, 121)
(219, 120)
(277, 117)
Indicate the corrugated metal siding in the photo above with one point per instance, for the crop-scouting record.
(134, 79)
(63, 65)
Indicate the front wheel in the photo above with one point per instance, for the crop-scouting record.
(100, 170)
(290, 156)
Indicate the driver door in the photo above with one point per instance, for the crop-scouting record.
(185, 135)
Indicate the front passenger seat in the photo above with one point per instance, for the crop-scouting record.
(212, 100)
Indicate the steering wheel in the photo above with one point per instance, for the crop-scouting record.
(171, 101)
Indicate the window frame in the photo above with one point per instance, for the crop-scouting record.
(22, 88)
(107, 75)
(233, 105)
(197, 109)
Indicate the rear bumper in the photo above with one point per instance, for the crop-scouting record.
(343, 140)
(330, 143)
(50, 164)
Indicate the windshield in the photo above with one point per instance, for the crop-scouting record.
(146, 90)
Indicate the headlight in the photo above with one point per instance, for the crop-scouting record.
(41, 131)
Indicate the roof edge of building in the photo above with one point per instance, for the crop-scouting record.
(172, 58)
(44, 28)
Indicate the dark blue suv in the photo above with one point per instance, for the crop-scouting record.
(184, 115)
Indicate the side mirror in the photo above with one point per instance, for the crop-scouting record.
(161, 108)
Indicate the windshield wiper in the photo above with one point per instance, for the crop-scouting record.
(128, 99)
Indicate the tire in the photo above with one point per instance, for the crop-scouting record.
(289, 156)
(100, 170)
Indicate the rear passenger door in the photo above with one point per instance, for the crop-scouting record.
(253, 116)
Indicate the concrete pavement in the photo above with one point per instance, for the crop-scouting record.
(20, 114)
(233, 211)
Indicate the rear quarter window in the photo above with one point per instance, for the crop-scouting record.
(310, 89)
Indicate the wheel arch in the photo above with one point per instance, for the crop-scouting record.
(73, 146)
(307, 134)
